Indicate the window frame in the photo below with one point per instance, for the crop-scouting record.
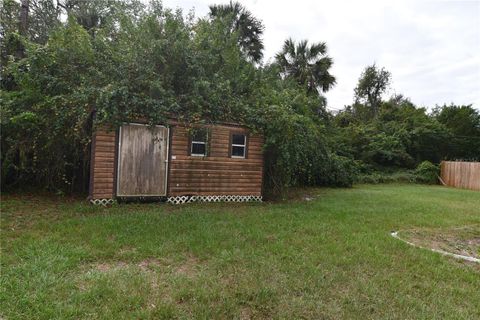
(244, 145)
(192, 141)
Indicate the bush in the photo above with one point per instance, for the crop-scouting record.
(337, 171)
(404, 176)
(293, 148)
(427, 172)
(297, 154)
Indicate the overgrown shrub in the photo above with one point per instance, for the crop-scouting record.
(297, 154)
(337, 171)
(402, 176)
(293, 147)
(427, 172)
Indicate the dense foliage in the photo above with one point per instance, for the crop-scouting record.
(427, 172)
(394, 134)
(77, 64)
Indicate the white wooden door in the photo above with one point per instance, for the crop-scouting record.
(142, 160)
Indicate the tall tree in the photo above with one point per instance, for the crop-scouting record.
(463, 122)
(241, 21)
(308, 64)
(34, 19)
(9, 40)
(23, 23)
(44, 17)
(373, 83)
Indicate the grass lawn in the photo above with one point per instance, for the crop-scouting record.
(329, 258)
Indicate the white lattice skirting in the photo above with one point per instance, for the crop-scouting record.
(229, 198)
(189, 199)
(103, 202)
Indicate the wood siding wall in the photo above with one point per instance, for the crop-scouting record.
(102, 171)
(217, 173)
(465, 175)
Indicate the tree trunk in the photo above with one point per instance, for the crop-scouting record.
(23, 27)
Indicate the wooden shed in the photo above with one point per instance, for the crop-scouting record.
(218, 162)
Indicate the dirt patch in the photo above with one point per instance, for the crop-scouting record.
(144, 265)
(189, 267)
(246, 313)
(298, 195)
(149, 264)
(105, 267)
(460, 240)
(271, 238)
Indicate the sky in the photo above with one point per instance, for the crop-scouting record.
(432, 48)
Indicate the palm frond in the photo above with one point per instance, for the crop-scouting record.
(316, 49)
(308, 65)
(249, 28)
(302, 48)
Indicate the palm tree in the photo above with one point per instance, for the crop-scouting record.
(308, 64)
(249, 28)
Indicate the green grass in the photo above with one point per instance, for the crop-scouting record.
(329, 258)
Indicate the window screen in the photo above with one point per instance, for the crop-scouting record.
(239, 143)
(199, 143)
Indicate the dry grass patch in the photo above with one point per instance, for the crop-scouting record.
(188, 267)
(463, 240)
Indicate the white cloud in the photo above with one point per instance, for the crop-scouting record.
(432, 48)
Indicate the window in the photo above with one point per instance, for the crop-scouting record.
(239, 145)
(199, 143)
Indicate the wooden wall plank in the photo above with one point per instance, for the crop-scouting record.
(459, 174)
(103, 163)
(216, 193)
(216, 174)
